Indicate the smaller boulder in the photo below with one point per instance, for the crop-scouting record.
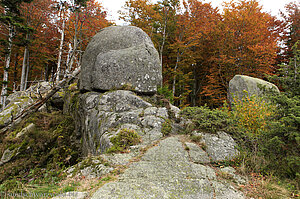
(27, 129)
(253, 86)
(219, 146)
(8, 155)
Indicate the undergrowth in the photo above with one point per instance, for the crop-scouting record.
(42, 156)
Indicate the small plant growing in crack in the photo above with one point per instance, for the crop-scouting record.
(166, 127)
(196, 138)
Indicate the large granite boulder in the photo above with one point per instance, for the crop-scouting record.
(118, 57)
(253, 86)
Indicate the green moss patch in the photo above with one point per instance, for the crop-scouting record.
(42, 154)
(123, 140)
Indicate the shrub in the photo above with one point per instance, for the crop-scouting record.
(250, 114)
(281, 140)
(205, 119)
(164, 91)
(166, 128)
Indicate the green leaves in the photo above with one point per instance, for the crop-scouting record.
(207, 120)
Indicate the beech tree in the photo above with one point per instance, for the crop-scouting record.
(193, 47)
(246, 44)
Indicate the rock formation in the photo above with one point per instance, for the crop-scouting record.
(253, 86)
(101, 116)
(164, 163)
(158, 167)
(121, 56)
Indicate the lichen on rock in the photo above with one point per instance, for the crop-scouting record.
(118, 56)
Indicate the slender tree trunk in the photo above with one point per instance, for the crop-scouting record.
(175, 70)
(15, 73)
(68, 57)
(194, 87)
(60, 50)
(75, 42)
(161, 49)
(6, 68)
(295, 69)
(24, 66)
(27, 71)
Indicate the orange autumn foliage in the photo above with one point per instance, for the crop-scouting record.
(246, 44)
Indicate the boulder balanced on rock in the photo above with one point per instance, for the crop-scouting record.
(118, 57)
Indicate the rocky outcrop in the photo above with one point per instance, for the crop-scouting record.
(166, 171)
(100, 117)
(121, 57)
(20, 100)
(242, 85)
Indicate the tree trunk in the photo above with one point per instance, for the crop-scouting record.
(60, 50)
(75, 43)
(27, 71)
(6, 68)
(24, 66)
(35, 107)
(68, 57)
(194, 87)
(15, 73)
(175, 69)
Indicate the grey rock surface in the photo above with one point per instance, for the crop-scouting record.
(197, 154)
(219, 146)
(101, 116)
(27, 129)
(8, 155)
(89, 168)
(119, 56)
(165, 171)
(232, 172)
(253, 86)
(20, 100)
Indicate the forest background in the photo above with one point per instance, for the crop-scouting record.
(200, 47)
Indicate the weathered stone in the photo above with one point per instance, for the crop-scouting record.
(91, 167)
(162, 112)
(118, 57)
(95, 171)
(119, 158)
(232, 172)
(152, 121)
(150, 111)
(253, 86)
(27, 129)
(20, 100)
(197, 154)
(99, 117)
(8, 155)
(165, 171)
(175, 110)
(226, 191)
(219, 146)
